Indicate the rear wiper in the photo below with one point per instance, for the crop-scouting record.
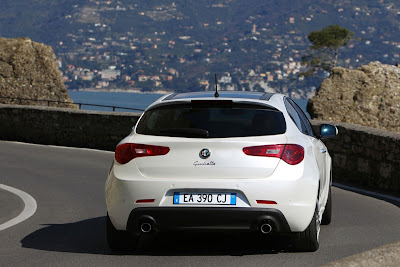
(185, 132)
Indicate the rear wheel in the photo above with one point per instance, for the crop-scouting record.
(327, 216)
(308, 241)
(119, 240)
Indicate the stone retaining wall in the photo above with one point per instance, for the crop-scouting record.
(365, 157)
(362, 156)
(65, 127)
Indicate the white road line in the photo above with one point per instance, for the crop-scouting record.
(388, 198)
(29, 209)
(63, 147)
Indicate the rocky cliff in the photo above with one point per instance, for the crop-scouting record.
(369, 96)
(30, 70)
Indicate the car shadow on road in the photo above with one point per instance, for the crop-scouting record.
(88, 236)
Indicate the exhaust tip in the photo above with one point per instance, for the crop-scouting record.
(266, 228)
(145, 227)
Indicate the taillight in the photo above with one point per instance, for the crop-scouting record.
(126, 152)
(291, 154)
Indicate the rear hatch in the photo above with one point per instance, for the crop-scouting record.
(206, 139)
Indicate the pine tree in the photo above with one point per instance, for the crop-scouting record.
(324, 51)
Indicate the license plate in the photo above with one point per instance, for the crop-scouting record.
(205, 198)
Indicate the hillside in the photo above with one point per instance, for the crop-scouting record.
(177, 45)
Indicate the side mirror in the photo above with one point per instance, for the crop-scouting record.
(327, 131)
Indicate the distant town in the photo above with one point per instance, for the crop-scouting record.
(258, 55)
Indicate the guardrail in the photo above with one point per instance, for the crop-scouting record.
(19, 99)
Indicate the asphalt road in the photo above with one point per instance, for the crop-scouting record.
(68, 227)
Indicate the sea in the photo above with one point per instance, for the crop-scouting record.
(120, 100)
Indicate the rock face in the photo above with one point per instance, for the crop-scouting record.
(29, 70)
(369, 96)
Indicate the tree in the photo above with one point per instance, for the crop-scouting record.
(323, 53)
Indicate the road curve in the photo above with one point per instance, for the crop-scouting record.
(68, 227)
(29, 207)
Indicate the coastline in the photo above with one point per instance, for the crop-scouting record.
(136, 91)
(130, 98)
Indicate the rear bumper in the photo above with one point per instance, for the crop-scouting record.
(206, 219)
(294, 190)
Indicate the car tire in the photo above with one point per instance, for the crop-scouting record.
(308, 240)
(327, 216)
(119, 240)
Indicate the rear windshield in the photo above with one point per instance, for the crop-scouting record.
(212, 120)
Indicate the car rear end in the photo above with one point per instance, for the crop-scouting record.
(215, 165)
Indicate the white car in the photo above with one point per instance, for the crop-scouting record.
(241, 161)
